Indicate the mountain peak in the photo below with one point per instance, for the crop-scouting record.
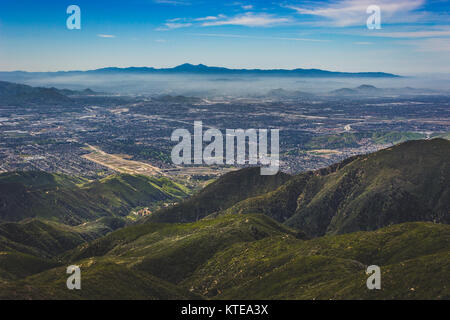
(367, 87)
(189, 66)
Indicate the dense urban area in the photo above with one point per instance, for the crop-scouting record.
(93, 134)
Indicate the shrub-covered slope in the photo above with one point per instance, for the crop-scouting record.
(221, 194)
(68, 200)
(407, 182)
(174, 251)
(249, 257)
(100, 280)
(413, 258)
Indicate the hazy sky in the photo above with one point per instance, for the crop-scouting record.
(414, 35)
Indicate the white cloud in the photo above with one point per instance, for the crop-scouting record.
(250, 20)
(211, 18)
(106, 35)
(173, 25)
(174, 20)
(353, 12)
(173, 2)
(247, 7)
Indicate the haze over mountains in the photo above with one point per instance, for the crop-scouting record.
(186, 79)
(204, 70)
(201, 80)
(21, 94)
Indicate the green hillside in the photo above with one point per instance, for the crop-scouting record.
(15, 265)
(43, 215)
(221, 194)
(48, 239)
(249, 257)
(173, 251)
(71, 201)
(38, 238)
(100, 280)
(408, 182)
(410, 255)
(145, 261)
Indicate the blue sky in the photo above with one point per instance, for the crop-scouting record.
(414, 35)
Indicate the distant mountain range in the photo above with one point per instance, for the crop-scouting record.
(16, 94)
(364, 90)
(206, 70)
(369, 90)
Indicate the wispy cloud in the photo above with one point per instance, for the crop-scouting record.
(249, 20)
(229, 35)
(173, 25)
(353, 12)
(211, 18)
(106, 35)
(173, 2)
(174, 20)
